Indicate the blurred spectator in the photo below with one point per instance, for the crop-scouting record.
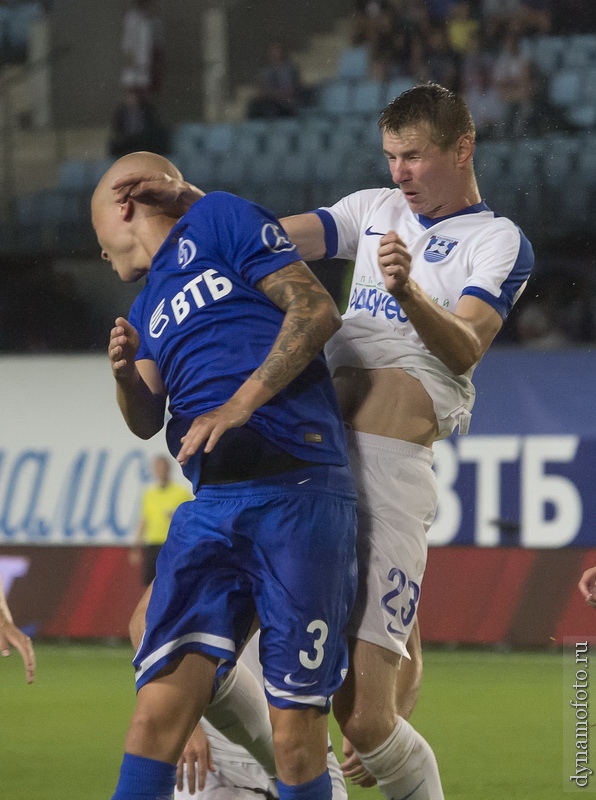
(484, 101)
(142, 49)
(534, 17)
(461, 28)
(437, 11)
(282, 92)
(439, 62)
(136, 126)
(513, 78)
(366, 19)
(395, 41)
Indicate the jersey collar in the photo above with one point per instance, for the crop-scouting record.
(428, 222)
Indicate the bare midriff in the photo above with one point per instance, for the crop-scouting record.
(386, 402)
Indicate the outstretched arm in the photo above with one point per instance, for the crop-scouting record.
(176, 196)
(311, 317)
(11, 636)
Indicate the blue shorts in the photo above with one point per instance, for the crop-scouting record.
(282, 547)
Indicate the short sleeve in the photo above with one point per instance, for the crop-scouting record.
(343, 222)
(134, 317)
(251, 239)
(502, 263)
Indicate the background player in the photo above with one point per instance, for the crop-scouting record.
(244, 325)
(436, 273)
(158, 505)
(11, 636)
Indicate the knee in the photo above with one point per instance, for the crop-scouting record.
(365, 727)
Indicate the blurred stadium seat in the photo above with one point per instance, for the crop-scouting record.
(336, 97)
(353, 63)
(368, 97)
(565, 87)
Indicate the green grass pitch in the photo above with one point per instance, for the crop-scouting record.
(494, 720)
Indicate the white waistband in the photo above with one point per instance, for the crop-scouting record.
(385, 444)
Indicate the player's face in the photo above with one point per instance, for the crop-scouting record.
(424, 172)
(118, 245)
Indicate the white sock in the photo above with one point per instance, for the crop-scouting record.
(239, 710)
(405, 766)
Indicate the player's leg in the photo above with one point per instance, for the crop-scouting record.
(300, 744)
(303, 605)
(195, 618)
(397, 497)
(389, 748)
(164, 717)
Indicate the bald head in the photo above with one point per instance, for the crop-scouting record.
(134, 162)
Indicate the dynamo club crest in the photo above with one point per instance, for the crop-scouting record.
(439, 247)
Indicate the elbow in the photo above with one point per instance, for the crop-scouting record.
(335, 320)
(460, 364)
(146, 431)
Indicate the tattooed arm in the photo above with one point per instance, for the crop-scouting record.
(311, 317)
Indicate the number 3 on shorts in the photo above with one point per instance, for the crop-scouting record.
(320, 627)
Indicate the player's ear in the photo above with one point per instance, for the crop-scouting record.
(465, 148)
(126, 210)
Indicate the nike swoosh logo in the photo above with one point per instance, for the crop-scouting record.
(370, 232)
(290, 682)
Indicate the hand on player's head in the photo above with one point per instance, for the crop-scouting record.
(154, 188)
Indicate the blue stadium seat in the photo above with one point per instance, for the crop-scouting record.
(547, 52)
(295, 168)
(336, 97)
(73, 175)
(368, 97)
(353, 63)
(18, 25)
(282, 136)
(581, 51)
(565, 87)
(188, 138)
(262, 169)
(560, 159)
(219, 137)
(314, 135)
(250, 136)
(583, 115)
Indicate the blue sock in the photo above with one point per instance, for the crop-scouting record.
(145, 779)
(317, 789)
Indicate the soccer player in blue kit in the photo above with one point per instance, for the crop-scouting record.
(436, 273)
(229, 329)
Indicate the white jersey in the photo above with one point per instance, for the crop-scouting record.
(471, 252)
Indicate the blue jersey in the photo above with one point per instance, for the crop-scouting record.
(202, 320)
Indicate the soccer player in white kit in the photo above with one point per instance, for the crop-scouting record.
(436, 273)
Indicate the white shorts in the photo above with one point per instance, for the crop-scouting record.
(247, 780)
(397, 499)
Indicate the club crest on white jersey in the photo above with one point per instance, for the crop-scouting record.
(275, 239)
(439, 247)
(187, 250)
